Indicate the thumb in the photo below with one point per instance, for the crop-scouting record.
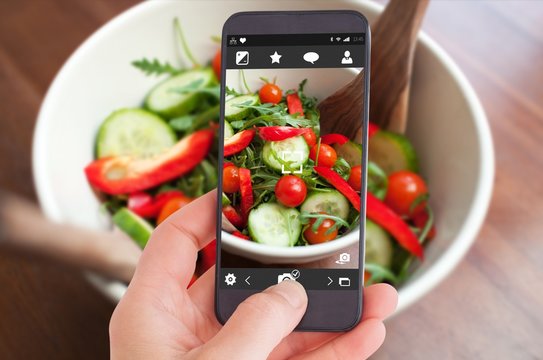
(260, 323)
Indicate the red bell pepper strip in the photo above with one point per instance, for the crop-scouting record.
(241, 235)
(294, 104)
(126, 174)
(246, 190)
(209, 255)
(278, 133)
(372, 129)
(340, 184)
(227, 164)
(144, 205)
(376, 211)
(233, 216)
(384, 216)
(238, 142)
(334, 139)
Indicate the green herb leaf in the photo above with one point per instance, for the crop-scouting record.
(184, 44)
(155, 67)
(377, 180)
(380, 273)
(343, 168)
(182, 123)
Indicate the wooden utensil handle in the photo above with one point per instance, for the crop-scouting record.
(22, 225)
(394, 38)
(341, 112)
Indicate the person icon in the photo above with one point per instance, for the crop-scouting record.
(347, 59)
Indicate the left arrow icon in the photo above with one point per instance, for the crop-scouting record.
(247, 280)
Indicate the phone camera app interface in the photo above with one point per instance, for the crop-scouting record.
(290, 189)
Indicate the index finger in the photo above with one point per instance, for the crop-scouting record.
(172, 250)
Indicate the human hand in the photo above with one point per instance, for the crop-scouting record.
(160, 318)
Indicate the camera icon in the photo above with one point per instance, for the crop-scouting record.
(285, 276)
(344, 258)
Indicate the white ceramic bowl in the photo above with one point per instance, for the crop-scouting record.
(446, 123)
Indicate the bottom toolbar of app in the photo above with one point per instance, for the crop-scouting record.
(314, 279)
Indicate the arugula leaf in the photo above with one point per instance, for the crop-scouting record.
(380, 273)
(182, 123)
(343, 168)
(193, 122)
(184, 44)
(377, 180)
(230, 91)
(194, 88)
(155, 67)
(305, 218)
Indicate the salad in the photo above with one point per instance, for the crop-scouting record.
(284, 183)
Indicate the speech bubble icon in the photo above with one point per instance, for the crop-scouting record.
(311, 57)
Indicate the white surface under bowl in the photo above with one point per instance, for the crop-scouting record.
(446, 123)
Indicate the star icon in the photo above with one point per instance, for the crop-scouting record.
(275, 58)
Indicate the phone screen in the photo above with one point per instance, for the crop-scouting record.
(290, 192)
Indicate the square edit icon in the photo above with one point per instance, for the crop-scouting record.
(242, 58)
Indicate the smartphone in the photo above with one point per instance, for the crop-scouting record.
(291, 199)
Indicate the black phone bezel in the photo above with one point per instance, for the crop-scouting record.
(329, 310)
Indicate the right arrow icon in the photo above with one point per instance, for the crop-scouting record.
(331, 281)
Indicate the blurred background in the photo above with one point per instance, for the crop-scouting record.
(490, 308)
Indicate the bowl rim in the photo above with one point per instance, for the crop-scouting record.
(410, 292)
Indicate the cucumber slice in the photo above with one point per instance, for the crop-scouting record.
(133, 225)
(331, 202)
(228, 131)
(379, 249)
(134, 132)
(275, 225)
(233, 112)
(392, 152)
(277, 153)
(165, 101)
(351, 152)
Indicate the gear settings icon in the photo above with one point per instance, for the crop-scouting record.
(230, 279)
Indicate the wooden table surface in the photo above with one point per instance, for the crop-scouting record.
(490, 308)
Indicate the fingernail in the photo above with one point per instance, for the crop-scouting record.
(292, 291)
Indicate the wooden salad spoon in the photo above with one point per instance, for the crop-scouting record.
(394, 37)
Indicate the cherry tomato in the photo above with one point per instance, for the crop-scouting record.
(310, 138)
(216, 64)
(172, 206)
(404, 187)
(320, 236)
(355, 179)
(290, 190)
(230, 179)
(327, 155)
(270, 93)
